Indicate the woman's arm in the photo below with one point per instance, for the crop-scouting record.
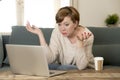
(54, 45)
(88, 49)
(84, 56)
(81, 58)
(51, 51)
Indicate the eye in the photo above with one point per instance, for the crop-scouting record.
(66, 24)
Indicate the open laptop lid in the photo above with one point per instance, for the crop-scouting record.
(27, 59)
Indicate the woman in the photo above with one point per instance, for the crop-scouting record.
(70, 44)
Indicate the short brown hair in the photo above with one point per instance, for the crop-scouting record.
(67, 11)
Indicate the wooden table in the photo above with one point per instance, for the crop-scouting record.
(109, 73)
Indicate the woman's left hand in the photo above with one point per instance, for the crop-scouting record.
(84, 35)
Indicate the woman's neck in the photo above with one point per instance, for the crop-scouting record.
(76, 30)
(73, 37)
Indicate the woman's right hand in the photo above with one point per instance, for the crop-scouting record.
(37, 31)
(33, 29)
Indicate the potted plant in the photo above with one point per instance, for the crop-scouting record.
(112, 20)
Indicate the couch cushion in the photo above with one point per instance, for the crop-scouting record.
(20, 35)
(1, 51)
(111, 53)
(5, 39)
(47, 33)
(105, 35)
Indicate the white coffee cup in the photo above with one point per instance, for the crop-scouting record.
(98, 63)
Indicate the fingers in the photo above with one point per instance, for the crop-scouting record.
(34, 27)
(28, 26)
(84, 36)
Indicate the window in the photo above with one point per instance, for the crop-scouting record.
(42, 12)
(39, 12)
(7, 15)
(64, 3)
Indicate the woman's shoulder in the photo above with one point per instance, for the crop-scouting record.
(84, 28)
(56, 31)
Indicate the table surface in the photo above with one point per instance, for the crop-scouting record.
(87, 74)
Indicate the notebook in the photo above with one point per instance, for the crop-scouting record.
(29, 60)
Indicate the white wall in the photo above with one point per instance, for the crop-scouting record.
(94, 12)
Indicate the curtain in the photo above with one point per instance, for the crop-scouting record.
(74, 3)
(20, 12)
(7, 15)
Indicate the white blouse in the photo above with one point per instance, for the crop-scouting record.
(62, 51)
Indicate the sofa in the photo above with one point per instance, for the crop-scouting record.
(106, 43)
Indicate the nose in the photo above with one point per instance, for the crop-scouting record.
(62, 28)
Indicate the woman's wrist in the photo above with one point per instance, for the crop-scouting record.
(42, 40)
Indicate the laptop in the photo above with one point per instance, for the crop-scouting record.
(29, 60)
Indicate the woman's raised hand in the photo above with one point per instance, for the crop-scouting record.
(37, 31)
(33, 29)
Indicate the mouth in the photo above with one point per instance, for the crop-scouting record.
(64, 33)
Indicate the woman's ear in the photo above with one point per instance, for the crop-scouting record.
(76, 25)
(76, 22)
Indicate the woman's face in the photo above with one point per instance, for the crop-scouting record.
(67, 27)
